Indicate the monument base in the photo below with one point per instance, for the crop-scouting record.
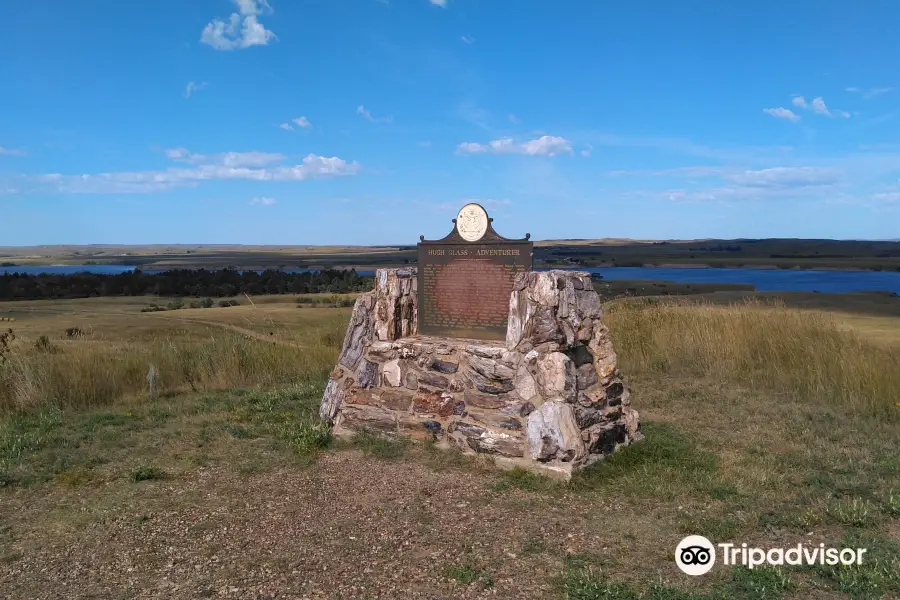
(549, 398)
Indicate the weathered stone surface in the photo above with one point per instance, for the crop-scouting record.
(391, 372)
(587, 303)
(494, 419)
(434, 403)
(602, 349)
(489, 402)
(543, 288)
(544, 327)
(631, 419)
(594, 397)
(614, 393)
(331, 401)
(524, 384)
(359, 333)
(395, 400)
(553, 433)
(492, 369)
(418, 427)
(585, 332)
(555, 376)
(438, 381)
(586, 376)
(367, 418)
(485, 351)
(367, 374)
(396, 313)
(603, 438)
(381, 351)
(412, 381)
(489, 386)
(442, 366)
(470, 437)
(365, 396)
(580, 355)
(526, 409)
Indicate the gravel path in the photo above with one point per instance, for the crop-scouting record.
(347, 527)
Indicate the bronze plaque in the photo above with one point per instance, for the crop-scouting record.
(464, 287)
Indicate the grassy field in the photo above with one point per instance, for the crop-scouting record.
(770, 423)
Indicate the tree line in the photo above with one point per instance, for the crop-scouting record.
(197, 283)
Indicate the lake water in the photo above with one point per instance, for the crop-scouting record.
(765, 280)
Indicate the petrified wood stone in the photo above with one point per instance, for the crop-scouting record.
(470, 437)
(367, 375)
(359, 333)
(550, 399)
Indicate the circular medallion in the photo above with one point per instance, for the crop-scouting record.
(471, 222)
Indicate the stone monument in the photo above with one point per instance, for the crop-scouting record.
(476, 351)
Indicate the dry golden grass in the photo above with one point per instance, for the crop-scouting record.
(271, 343)
(806, 353)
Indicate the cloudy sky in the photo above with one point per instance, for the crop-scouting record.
(373, 121)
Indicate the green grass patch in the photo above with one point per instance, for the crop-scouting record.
(589, 583)
(147, 473)
(854, 512)
(667, 463)
(761, 583)
(468, 573)
(526, 480)
(381, 447)
(877, 577)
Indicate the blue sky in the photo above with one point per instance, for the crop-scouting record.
(373, 121)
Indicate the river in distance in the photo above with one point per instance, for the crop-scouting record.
(765, 280)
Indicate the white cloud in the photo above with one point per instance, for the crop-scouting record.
(513, 118)
(250, 166)
(11, 152)
(871, 92)
(781, 177)
(286, 126)
(362, 111)
(441, 3)
(782, 113)
(468, 39)
(818, 107)
(586, 151)
(226, 159)
(302, 122)
(425, 144)
(887, 197)
(263, 201)
(242, 30)
(193, 88)
(546, 145)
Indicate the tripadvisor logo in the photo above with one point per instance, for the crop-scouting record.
(696, 555)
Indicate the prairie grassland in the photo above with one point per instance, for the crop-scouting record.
(190, 349)
(764, 424)
(811, 354)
